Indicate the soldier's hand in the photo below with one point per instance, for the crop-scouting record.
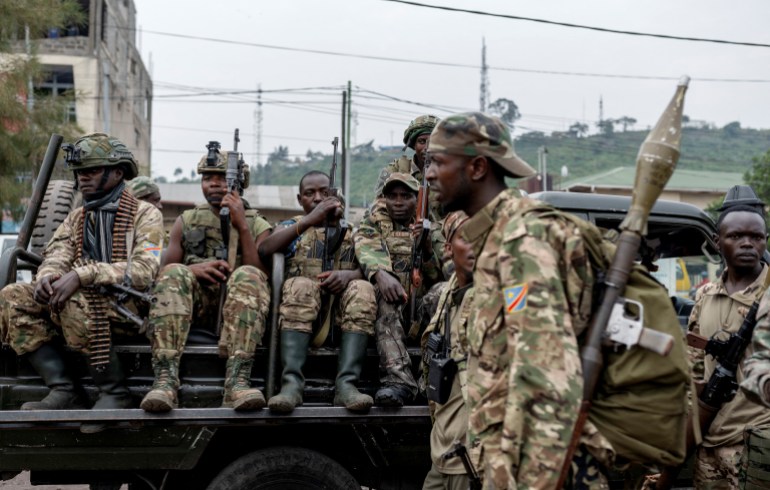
(390, 288)
(335, 281)
(324, 208)
(63, 289)
(215, 271)
(44, 288)
(233, 201)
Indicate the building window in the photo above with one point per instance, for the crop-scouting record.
(59, 82)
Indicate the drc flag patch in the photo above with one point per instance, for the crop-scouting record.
(515, 297)
(153, 249)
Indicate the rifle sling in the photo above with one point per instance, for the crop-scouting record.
(320, 337)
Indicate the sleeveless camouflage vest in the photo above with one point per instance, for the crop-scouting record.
(202, 235)
(307, 260)
(399, 243)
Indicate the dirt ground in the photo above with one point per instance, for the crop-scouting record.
(21, 482)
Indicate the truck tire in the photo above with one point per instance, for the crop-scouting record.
(60, 198)
(285, 468)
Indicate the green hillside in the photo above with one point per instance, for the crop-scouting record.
(727, 149)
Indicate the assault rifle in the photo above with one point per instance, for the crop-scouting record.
(334, 234)
(655, 163)
(723, 383)
(234, 177)
(423, 211)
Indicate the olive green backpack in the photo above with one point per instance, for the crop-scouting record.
(640, 404)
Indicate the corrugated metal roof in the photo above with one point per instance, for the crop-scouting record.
(259, 196)
(682, 179)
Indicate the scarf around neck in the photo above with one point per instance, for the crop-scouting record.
(99, 218)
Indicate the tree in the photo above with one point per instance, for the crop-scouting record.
(578, 129)
(732, 129)
(606, 127)
(280, 154)
(626, 122)
(178, 171)
(507, 110)
(759, 176)
(25, 131)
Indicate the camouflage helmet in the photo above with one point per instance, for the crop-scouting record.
(220, 166)
(99, 150)
(420, 125)
(142, 186)
(475, 134)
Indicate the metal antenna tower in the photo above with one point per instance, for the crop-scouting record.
(484, 89)
(258, 127)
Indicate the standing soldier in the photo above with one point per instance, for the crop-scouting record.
(144, 188)
(346, 294)
(450, 417)
(415, 137)
(91, 249)
(524, 373)
(384, 245)
(720, 308)
(188, 287)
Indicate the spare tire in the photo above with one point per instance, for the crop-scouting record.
(60, 198)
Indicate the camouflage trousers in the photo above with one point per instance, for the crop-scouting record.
(717, 468)
(26, 324)
(435, 480)
(181, 299)
(355, 310)
(586, 473)
(395, 363)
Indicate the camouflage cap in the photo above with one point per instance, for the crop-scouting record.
(142, 186)
(99, 150)
(399, 178)
(452, 223)
(473, 134)
(220, 166)
(419, 125)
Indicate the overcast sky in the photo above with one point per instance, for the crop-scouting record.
(519, 54)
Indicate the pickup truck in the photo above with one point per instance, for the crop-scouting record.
(201, 446)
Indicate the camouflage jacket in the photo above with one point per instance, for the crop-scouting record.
(718, 312)
(305, 254)
(407, 166)
(533, 284)
(60, 253)
(202, 234)
(757, 365)
(382, 244)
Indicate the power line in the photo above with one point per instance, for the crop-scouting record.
(451, 65)
(580, 26)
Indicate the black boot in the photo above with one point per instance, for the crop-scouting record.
(113, 392)
(49, 363)
(351, 361)
(294, 346)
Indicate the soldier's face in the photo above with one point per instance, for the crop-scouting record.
(93, 183)
(153, 199)
(742, 240)
(401, 202)
(462, 256)
(448, 181)
(420, 146)
(214, 188)
(313, 190)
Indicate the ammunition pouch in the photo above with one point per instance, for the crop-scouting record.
(754, 468)
(195, 242)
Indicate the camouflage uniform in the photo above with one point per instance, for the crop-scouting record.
(718, 312)
(142, 187)
(27, 324)
(524, 373)
(355, 310)
(182, 300)
(384, 245)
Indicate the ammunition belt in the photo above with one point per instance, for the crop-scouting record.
(99, 339)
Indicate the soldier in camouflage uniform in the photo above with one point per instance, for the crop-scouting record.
(524, 374)
(86, 252)
(450, 419)
(308, 288)
(144, 188)
(188, 288)
(720, 308)
(384, 244)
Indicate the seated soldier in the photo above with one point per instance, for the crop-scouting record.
(145, 189)
(90, 250)
(188, 288)
(384, 244)
(311, 293)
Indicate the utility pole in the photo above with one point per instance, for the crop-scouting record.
(258, 127)
(601, 109)
(344, 153)
(346, 161)
(542, 159)
(30, 87)
(484, 89)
